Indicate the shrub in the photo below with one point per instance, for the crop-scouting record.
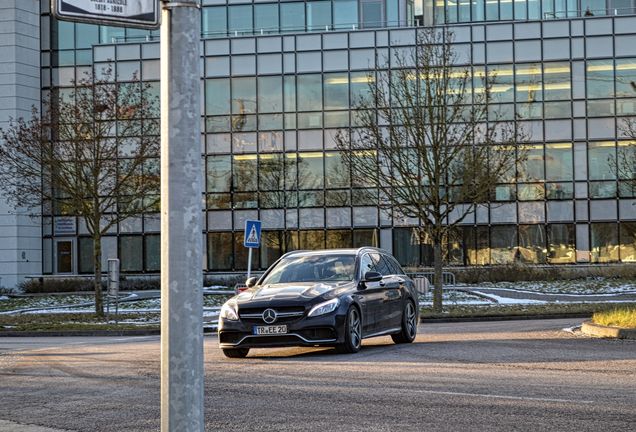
(55, 285)
(525, 272)
(620, 317)
(49, 285)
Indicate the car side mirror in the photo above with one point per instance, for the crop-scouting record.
(251, 282)
(370, 276)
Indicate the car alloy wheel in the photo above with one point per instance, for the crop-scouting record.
(411, 320)
(408, 329)
(353, 332)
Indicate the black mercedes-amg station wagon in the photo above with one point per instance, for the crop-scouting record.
(322, 298)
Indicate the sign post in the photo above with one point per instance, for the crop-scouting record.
(113, 287)
(181, 189)
(251, 240)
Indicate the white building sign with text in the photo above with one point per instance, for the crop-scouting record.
(130, 13)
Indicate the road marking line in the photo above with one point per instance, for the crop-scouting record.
(449, 393)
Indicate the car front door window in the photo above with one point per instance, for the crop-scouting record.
(366, 265)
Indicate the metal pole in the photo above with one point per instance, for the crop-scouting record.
(249, 262)
(181, 239)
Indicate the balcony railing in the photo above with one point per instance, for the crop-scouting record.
(587, 13)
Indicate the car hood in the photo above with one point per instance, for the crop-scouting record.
(291, 293)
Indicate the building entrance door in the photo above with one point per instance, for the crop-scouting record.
(64, 256)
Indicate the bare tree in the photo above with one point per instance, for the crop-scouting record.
(92, 152)
(430, 140)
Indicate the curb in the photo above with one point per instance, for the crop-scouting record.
(96, 333)
(45, 333)
(93, 333)
(591, 329)
(505, 318)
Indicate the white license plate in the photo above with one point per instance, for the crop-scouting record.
(269, 330)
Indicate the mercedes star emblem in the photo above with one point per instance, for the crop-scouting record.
(269, 316)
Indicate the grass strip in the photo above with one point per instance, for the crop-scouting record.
(73, 322)
(623, 317)
(475, 311)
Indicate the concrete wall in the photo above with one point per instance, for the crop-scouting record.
(20, 236)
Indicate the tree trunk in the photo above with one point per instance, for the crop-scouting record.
(97, 265)
(438, 265)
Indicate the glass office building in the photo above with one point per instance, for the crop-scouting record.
(278, 79)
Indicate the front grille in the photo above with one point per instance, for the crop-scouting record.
(285, 314)
(281, 309)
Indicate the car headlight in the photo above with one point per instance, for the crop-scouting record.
(228, 313)
(324, 308)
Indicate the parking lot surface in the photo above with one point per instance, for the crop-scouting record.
(487, 376)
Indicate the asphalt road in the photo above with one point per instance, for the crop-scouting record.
(489, 376)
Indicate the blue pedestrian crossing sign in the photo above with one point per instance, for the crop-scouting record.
(252, 235)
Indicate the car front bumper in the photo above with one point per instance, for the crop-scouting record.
(326, 330)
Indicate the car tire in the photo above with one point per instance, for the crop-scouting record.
(353, 332)
(409, 325)
(236, 352)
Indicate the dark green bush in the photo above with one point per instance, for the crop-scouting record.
(524, 272)
(48, 285)
(55, 285)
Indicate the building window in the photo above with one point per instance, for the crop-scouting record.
(272, 247)
(219, 174)
(318, 15)
(601, 157)
(292, 17)
(561, 244)
(130, 253)
(152, 252)
(600, 78)
(270, 96)
(214, 21)
(628, 241)
(85, 255)
(604, 242)
(217, 96)
(220, 251)
(337, 239)
(266, 18)
(406, 246)
(532, 244)
(503, 243)
(372, 13)
(345, 14)
(240, 19)
(311, 240)
(365, 237)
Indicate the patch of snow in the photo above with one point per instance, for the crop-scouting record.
(613, 294)
(572, 329)
(509, 301)
(4, 298)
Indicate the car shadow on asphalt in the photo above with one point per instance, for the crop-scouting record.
(465, 351)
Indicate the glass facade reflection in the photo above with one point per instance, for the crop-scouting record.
(278, 81)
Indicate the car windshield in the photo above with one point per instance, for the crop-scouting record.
(312, 268)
